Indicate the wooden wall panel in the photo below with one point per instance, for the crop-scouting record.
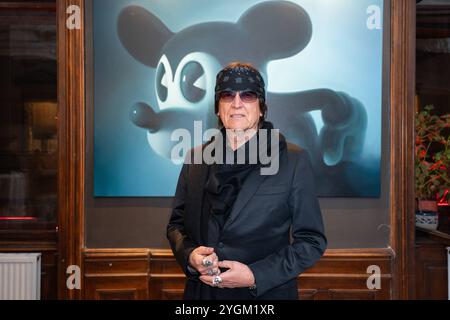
(116, 287)
(154, 274)
(166, 280)
(49, 272)
(431, 271)
(117, 274)
(342, 274)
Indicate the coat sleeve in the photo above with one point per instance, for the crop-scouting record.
(309, 241)
(181, 244)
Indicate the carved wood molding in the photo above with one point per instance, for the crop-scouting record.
(116, 253)
(28, 246)
(402, 91)
(71, 128)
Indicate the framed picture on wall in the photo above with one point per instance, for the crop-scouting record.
(154, 67)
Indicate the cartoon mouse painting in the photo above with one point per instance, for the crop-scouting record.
(186, 63)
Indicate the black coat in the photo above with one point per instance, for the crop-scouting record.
(257, 232)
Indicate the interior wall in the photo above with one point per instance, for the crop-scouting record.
(141, 222)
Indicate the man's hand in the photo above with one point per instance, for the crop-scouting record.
(238, 275)
(204, 260)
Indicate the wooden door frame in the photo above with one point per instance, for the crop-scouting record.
(72, 145)
(402, 110)
(71, 119)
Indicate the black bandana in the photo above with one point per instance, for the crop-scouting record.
(240, 79)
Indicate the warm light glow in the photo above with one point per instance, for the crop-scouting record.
(442, 202)
(17, 218)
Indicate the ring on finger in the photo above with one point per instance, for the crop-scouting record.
(212, 272)
(217, 280)
(206, 262)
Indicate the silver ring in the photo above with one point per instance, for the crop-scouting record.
(206, 263)
(217, 280)
(212, 272)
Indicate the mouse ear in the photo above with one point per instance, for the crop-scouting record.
(142, 34)
(279, 28)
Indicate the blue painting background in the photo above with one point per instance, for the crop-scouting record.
(343, 55)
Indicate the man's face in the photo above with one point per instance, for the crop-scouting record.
(239, 110)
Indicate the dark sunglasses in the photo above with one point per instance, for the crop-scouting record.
(245, 96)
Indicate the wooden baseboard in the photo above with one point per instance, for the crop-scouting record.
(154, 274)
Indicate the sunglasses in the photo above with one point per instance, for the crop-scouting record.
(245, 96)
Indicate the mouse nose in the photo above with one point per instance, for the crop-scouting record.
(143, 115)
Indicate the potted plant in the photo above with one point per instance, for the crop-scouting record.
(432, 163)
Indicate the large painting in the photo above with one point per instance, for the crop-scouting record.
(155, 63)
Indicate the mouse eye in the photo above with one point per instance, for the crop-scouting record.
(161, 82)
(193, 82)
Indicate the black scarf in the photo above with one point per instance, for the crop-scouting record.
(225, 180)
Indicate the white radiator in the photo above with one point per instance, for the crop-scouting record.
(20, 276)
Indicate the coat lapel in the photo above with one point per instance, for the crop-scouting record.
(199, 173)
(247, 191)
